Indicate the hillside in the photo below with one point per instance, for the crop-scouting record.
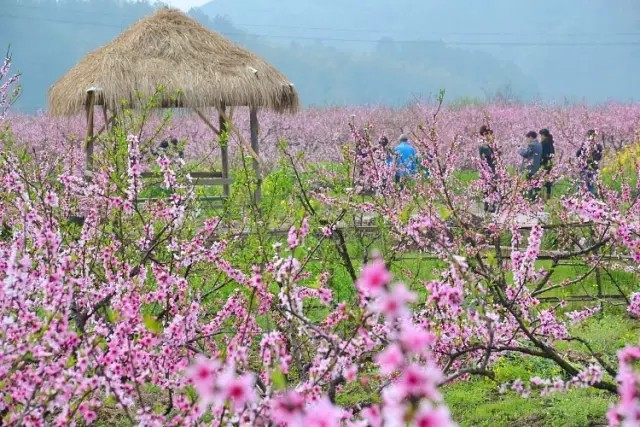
(571, 49)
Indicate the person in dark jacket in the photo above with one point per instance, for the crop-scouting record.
(546, 161)
(589, 155)
(168, 145)
(531, 157)
(383, 145)
(486, 151)
(487, 155)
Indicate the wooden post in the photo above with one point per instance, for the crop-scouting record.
(90, 104)
(253, 120)
(224, 144)
(104, 114)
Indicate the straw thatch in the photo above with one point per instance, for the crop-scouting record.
(198, 68)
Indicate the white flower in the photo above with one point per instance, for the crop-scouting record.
(461, 261)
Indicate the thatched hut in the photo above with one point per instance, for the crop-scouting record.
(197, 68)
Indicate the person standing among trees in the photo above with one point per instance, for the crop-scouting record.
(383, 146)
(546, 161)
(383, 153)
(531, 157)
(589, 156)
(487, 156)
(405, 159)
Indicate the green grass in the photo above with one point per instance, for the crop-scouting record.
(477, 403)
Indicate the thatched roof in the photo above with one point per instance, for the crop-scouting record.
(173, 50)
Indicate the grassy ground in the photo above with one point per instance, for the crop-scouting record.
(478, 403)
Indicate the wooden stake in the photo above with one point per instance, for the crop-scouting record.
(91, 99)
(224, 149)
(104, 115)
(253, 120)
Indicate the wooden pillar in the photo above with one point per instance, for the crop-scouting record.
(224, 148)
(104, 115)
(253, 120)
(90, 104)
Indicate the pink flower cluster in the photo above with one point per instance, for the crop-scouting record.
(322, 133)
(591, 375)
(411, 396)
(627, 412)
(8, 88)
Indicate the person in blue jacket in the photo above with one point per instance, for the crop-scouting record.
(405, 159)
(531, 161)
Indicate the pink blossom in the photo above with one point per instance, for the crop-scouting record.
(634, 304)
(419, 381)
(322, 414)
(374, 277)
(288, 409)
(390, 359)
(239, 390)
(52, 199)
(415, 339)
(292, 239)
(202, 374)
(430, 416)
(579, 316)
(393, 304)
(373, 416)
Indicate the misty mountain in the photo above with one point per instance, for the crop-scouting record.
(391, 73)
(571, 49)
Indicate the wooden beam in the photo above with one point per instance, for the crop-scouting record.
(106, 120)
(207, 121)
(224, 148)
(194, 175)
(90, 104)
(107, 124)
(225, 182)
(253, 121)
(200, 199)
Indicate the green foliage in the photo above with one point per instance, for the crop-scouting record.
(625, 160)
(357, 393)
(609, 333)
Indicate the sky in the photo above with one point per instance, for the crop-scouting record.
(185, 4)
